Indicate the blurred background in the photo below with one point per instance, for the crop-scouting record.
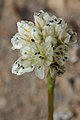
(25, 97)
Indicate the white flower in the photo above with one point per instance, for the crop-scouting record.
(36, 58)
(42, 44)
(26, 32)
(23, 36)
(24, 27)
(41, 18)
(53, 20)
(61, 28)
(71, 37)
(17, 41)
(48, 30)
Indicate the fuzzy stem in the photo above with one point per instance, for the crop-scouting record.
(51, 86)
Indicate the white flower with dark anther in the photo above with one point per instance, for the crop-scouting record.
(24, 26)
(36, 58)
(71, 37)
(61, 28)
(42, 44)
(23, 36)
(41, 18)
(26, 32)
(53, 20)
(58, 29)
(49, 30)
(17, 41)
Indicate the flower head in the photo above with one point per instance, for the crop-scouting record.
(43, 44)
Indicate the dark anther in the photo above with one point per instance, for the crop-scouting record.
(40, 12)
(35, 53)
(38, 52)
(17, 38)
(60, 48)
(63, 59)
(71, 37)
(23, 67)
(25, 53)
(39, 66)
(32, 40)
(61, 52)
(34, 30)
(42, 57)
(58, 72)
(18, 65)
(69, 33)
(48, 24)
(60, 22)
(53, 48)
(55, 67)
(55, 19)
(57, 53)
(51, 21)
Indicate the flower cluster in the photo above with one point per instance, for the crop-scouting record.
(42, 44)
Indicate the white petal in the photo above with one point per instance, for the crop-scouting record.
(48, 48)
(39, 22)
(60, 27)
(51, 40)
(47, 45)
(67, 38)
(62, 34)
(48, 30)
(73, 37)
(24, 26)
(48, 60)
(41, 18)
(36, 34)
(46, 17)
(21, 66)
(53, 20)
(17, 42)
(29, 69)
(39, 71)
(26, 51)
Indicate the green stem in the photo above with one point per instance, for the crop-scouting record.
(51, 86)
